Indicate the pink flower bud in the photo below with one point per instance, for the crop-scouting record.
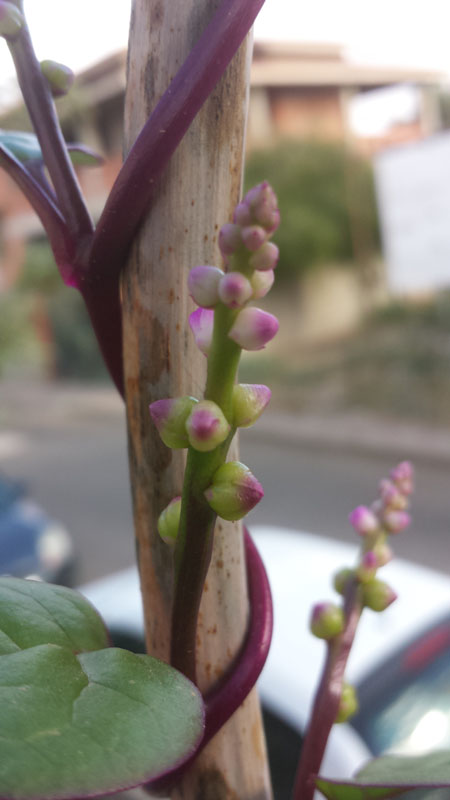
(327, 620)
(201, 322)
(203, 285)
(342, 579)
(11, 20)
(403, 477)
(230, 238)
(206, 426)
(266, 257)
(396, 521)
(391, 497)
(262, 283)
(378, 595)
(253, 328)
(249, 402)
(234, 491)
(253, 237)
(59, 77)
(367, 567)
(242, 214)
(262, 201)
(169, 521)
(235, 289)
(363, 520)
(169, 416)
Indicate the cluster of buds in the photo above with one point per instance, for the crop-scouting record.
(249, 263)
(388, 515)
(185, 422)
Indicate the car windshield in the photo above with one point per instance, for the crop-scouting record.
(412, 716)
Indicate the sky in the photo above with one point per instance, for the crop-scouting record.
(410, 33)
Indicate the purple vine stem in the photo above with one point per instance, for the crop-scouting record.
(47, 210)
(327, 699)
(227, 695)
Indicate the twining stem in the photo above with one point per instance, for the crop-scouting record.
(327, 699)
(195, 534)
(38, 99)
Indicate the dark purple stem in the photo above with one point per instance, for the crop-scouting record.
(39, 102)
(326, 703)
(49, 214)
(133, 190)
(227, 695)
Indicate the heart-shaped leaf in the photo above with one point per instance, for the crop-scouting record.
(76, 719)
(392, 776)
(25, 147)
(33, 613)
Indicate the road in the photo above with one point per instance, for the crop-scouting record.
(79, 474)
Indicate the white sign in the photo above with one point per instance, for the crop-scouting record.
(413, 190)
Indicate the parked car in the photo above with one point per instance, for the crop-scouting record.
(31, 543)
(400, 662)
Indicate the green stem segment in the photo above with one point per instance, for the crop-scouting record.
(195, 535)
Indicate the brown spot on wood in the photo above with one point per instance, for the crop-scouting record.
(205, 238)
(192, 202)
(171, 296)
(213, 786)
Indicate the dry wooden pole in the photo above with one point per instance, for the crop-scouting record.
(195, 196)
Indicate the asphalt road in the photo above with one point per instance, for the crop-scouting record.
(79, 474)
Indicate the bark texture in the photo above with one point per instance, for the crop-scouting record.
(194, 198)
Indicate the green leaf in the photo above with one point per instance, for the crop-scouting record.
(391, 776)
(99, 722)
(25, 147)
(34, 613)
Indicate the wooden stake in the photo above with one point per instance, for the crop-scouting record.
(194, 198)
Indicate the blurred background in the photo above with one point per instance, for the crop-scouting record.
(350, 121)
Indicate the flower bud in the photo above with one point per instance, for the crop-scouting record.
(383, 553)
(169, 521)
(253, 328)
(249, 402)
(203, 285)
(230, 238)
(206, 426)
(396, 521)
(59, 77)
(391, 496)
(363, 520)
(201, 323)
(403, 477)
(234, 491)
(169, 416)
(342, 579)
(253, 237)
(327, 620)
(266, 258)
(262, 201)
(348, 705)
(378, 595)
(11, 20)
(367, 567)
(242, 214)
(262, 283)
(235, 289)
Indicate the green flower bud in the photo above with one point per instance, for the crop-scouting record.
(169, 416)
(327, 620)
(169, 521)
(342, 579)
(249, 402)
(11, 20)
(234, 491)
(348, 705)
(378, 595)
(206, 426)
(59, 77)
